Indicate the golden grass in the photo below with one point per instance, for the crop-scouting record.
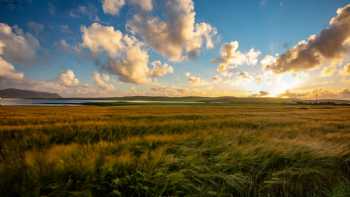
(248, 150)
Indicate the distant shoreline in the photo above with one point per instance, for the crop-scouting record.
(124, 101)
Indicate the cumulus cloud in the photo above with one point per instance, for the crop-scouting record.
(231, 57)
(7, 70)
(228, 57)
(132, 66)
(68, 78)
(158, 69)
(20, 47)
(113, 7)
(178, 36)
(267, 60)
(193, 80)
(127, 56)
(99, 38)
(16, 47)
(252, 57)
(329, 46)
(103, 81)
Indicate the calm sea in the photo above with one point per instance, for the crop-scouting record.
(61, 102)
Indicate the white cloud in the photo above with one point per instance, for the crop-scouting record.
(158, 69)
(252, 56)
(132, 65)
(103, 81)
(113, 7)
(178, 36)
(99, 38)
(68, 78)
(20, 48)
(267, 60)
(193, 80)
(7, 70)
(127, 56)
(231, 57)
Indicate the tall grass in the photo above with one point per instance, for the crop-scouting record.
(252, 150)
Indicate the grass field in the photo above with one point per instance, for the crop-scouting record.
(199, 150)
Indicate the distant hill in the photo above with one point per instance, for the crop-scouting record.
(17, 93)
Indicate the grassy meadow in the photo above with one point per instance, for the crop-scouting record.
(175, 150)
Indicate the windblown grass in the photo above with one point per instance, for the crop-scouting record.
(248, 150)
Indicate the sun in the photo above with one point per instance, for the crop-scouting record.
(280, 88)
(286, 82)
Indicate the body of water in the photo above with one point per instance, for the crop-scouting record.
(72, 102)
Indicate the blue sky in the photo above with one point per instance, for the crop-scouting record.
(269, 26)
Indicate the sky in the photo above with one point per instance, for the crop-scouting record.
(104, 48)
